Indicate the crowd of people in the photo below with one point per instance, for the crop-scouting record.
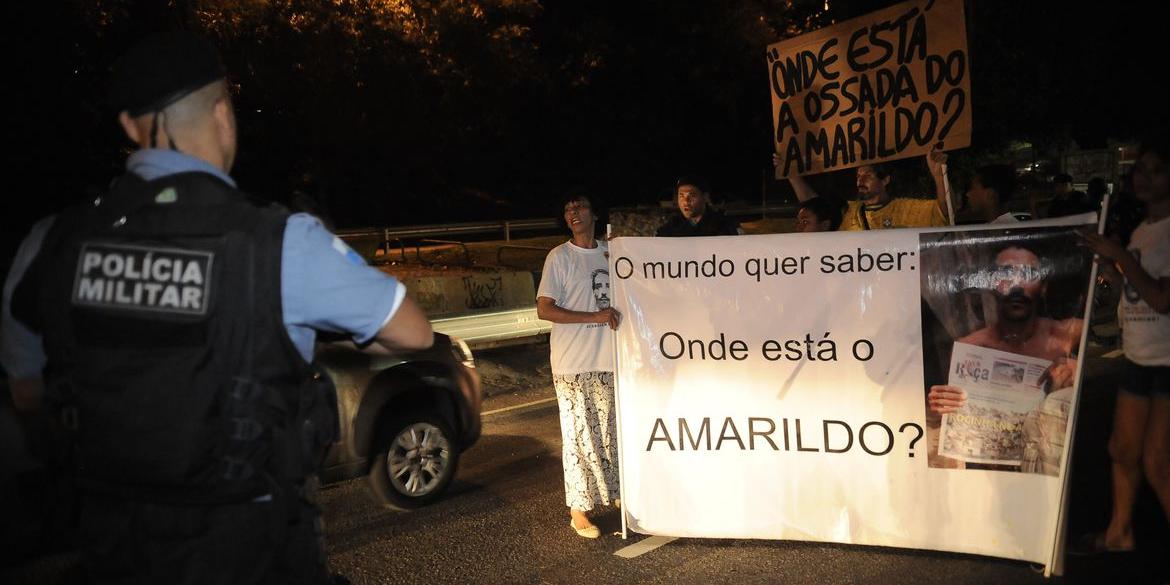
(582, 360)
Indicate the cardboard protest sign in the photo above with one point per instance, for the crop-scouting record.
(780, 386)
(884, 86)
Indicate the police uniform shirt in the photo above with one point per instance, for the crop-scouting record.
(324, 284)
(20, 349)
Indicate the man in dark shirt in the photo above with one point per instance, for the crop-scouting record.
(1066, 201)
(697, 218)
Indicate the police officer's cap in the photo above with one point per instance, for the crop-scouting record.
(161, 70)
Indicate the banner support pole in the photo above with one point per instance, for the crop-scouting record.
(947, 191)
(617, 401)
(1055, 564)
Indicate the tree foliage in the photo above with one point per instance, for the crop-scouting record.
(413, 111)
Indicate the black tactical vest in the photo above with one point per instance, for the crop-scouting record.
(161, 313)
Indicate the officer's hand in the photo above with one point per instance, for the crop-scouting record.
(946, 399)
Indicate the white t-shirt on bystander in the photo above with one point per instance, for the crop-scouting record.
(1145, 332)
(578, 280)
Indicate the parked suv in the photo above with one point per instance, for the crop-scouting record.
(405, 419)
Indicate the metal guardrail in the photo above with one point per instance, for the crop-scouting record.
(445, 243)
(765, 210)
(496, 328)
(385, 247)
(387, 234)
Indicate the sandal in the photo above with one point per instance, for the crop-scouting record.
(1093, 543)
(591, 531)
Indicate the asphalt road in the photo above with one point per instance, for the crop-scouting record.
(505, 521)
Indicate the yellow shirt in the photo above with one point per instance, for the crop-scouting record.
(900, 212)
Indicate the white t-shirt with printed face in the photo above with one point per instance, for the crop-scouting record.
(1145, 332)
(578, 280)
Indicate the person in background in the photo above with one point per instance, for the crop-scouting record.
(574, 295)
(1140, 443)
(696, 217)
(1065, 200)
(1095, 193)
(819, 214)
(991, 187)
(1126, 211)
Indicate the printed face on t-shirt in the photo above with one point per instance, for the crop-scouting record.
(600, 282)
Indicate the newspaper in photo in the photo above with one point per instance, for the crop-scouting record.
(1002, 388)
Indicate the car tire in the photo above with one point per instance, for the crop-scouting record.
(414, 460)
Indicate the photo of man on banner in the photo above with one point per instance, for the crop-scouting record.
(1000, 344)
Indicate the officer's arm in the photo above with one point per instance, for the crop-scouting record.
(408, 329)
(20, 343)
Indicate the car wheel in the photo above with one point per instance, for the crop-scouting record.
(414, 461)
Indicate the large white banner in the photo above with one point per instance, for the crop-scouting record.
(795, 386)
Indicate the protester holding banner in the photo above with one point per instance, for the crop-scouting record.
(1141, 429)
(888, 85)
(696, 218)
(876, 208)
(574, 295)
(991, 186)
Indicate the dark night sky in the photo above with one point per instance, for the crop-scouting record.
(507, 109)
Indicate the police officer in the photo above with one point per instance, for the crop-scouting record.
(171, 324)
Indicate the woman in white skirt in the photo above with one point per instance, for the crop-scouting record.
(574, 296)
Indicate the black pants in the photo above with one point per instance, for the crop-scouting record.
(265, 542)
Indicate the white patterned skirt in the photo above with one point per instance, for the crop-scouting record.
(588, 438)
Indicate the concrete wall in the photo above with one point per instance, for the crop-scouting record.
(444, 296)
(641, 221)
